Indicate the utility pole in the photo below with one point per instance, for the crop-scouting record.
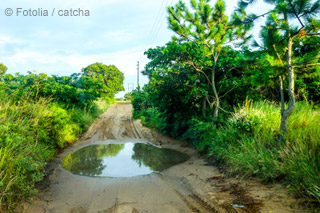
(138, 70)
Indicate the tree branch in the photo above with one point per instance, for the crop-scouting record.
(312, 34)
(295, 13)
(252, 19)
(275, 49)
(229, 91)
(182, 26)
(308, 65)
(198, 70)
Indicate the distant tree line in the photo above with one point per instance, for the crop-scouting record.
(80, 89)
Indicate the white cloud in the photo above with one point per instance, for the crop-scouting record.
(9, 40)
(74, 62)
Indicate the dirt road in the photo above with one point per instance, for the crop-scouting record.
(193, 186)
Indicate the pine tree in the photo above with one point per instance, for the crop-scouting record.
(290, 22)
(210, 28)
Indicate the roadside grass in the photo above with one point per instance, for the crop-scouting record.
(31, 132)
(247, 143)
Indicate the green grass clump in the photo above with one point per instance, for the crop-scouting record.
(248, 143)
(30, 134)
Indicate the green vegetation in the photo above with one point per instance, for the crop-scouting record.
(231, 103)
(127, 96)
(38, 116)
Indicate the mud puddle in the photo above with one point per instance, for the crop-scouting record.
(190, 186)
(121, 160)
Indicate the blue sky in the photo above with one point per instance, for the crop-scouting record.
(116, 32)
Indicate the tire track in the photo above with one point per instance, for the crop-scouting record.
(196, 204)
(134, 129)
(192, 200)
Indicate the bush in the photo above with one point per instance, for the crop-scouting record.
(246, 118)
(151, 117)
(139, 102)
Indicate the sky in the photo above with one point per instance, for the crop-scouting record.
(49, 40)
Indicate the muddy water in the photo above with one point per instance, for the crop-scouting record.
(121, 160)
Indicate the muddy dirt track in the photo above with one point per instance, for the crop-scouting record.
(193, 186)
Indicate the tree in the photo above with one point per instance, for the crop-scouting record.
(3, 70)
(281, 24)
(108, 79)
(210, 29)
(186, 65)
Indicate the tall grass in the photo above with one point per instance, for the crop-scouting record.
(248, 143)
(30, 134)
(25, 147)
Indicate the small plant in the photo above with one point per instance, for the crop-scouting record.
(246, 117)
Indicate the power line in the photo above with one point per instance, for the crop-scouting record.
(155, 23)
(160, 22)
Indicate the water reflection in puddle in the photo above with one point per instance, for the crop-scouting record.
(121, 160)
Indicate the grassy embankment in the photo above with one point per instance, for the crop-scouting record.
(31, 132)
(247, 143)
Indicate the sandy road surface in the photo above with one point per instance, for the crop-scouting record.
(193, 186)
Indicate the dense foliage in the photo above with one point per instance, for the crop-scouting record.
(40, 114)
(103, 79)
(197, 74)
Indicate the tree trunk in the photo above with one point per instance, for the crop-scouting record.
(282, 102)
(214, 89)
(216, 109)
(285, 114)
(281, 93)
(216, 97)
